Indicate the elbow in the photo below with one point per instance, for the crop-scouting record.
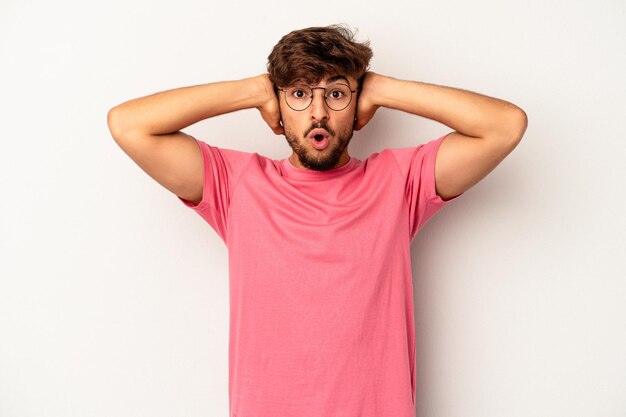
(510, 127)
(516, 124)
(113, 122)
(520, 124)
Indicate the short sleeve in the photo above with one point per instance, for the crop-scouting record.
(222, 169)
(417, 166)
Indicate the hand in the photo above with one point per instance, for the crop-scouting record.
(270, 109)
(366, 107)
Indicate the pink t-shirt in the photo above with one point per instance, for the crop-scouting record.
(321, 296)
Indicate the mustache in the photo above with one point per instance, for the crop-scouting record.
(320, 125)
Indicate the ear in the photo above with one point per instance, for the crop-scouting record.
(359, 82)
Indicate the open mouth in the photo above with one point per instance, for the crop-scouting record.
(320, 142)
(319, 139)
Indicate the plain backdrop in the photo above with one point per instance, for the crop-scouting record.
(114, 295)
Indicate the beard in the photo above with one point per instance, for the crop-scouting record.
(316, 160)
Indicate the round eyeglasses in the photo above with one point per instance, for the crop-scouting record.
(337, 96)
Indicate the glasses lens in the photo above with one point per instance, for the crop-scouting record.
(338, 96)
(298, 97)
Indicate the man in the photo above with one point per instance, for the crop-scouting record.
(321, 299)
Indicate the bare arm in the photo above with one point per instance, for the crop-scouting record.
(169, 111)
(148, 128)
(487, 129)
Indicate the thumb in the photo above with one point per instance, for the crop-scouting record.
(273, 122)
(359, 123)
(277, 128)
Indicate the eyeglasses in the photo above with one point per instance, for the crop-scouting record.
(337, 96)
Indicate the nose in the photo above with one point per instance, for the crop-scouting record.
(318, 107)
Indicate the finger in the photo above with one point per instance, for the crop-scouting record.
(273, 123)
(361, 122)
(278, 129)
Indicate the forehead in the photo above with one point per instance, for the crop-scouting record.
(328, 80)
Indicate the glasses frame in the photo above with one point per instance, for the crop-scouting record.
(313, 96)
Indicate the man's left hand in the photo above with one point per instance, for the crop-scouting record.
(366, 104)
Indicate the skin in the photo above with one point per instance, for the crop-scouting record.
(486, 129)
(297, 125)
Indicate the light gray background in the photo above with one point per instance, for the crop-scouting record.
(114, 296)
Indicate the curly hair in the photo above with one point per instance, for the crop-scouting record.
(314, 53)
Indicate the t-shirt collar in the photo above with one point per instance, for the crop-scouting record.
(292, 171)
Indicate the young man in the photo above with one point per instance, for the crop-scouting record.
(321, 298)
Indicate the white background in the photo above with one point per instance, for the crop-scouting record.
(114, 296)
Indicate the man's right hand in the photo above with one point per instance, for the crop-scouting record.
(270, 109)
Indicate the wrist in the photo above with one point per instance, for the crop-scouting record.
(261, 89)
(380, 87)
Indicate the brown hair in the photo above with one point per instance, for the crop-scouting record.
(314, 53)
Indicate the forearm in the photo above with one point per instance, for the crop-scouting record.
(169, 111)
(469, 113)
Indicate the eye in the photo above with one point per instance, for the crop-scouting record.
(298, 92)
(336, 94)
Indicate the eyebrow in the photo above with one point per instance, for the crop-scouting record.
(330, 80)
(337, 77)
